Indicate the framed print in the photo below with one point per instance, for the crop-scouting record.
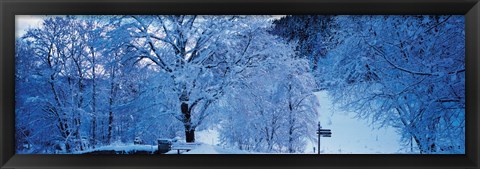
(251, 84)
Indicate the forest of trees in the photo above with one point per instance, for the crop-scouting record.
(88, 81)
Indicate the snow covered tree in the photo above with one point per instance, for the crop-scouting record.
(302, 107)
(314, 35)
(60, 47)
(199, 54)
(30, 122)
(70, 59)
(271, 108)
(406, 72)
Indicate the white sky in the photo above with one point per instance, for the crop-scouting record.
(24, 22)
(349, 135)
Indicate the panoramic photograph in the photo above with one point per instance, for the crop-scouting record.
(240, 84)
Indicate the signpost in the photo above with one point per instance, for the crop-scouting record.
(322, 133)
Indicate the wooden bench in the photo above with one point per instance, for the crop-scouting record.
(184, 146)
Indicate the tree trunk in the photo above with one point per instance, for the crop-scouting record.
(187, 122)
(110, 125)
(78, 136)
(190, 136)
(110, 104)
(81, 91)
(67, 147)
(291, 122)
(94, 128)
(94, 105)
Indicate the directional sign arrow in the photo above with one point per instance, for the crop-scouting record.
(325, 132)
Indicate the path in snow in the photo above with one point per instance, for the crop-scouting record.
(351, 135)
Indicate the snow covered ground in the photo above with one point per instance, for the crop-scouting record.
(351, 135)
(211, 149)
(126, 148)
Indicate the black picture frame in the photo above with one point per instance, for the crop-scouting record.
(10, 8)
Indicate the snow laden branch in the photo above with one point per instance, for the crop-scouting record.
(384, 56)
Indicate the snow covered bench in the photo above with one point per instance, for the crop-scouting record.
(184, 146)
